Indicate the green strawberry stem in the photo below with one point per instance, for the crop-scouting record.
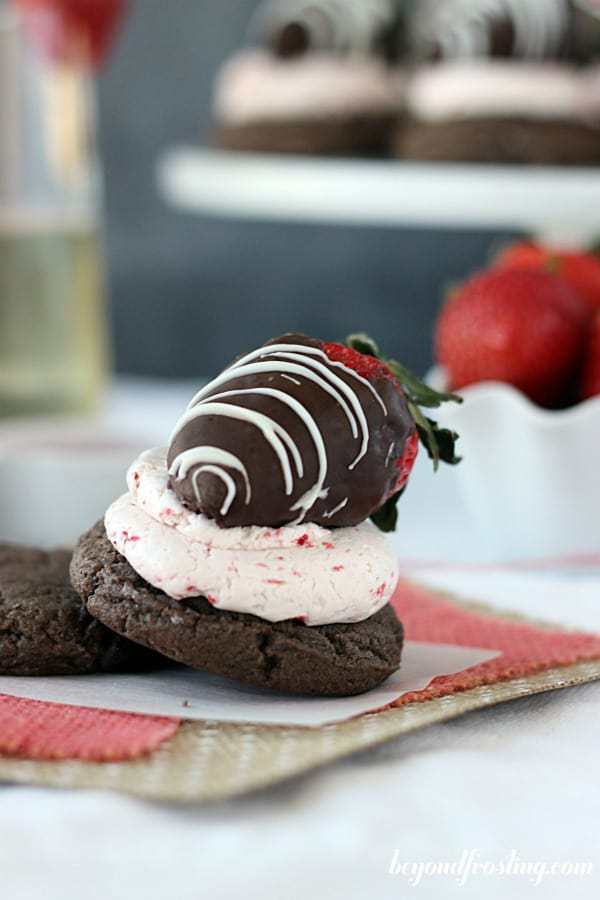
(440, 443)
(386, 517)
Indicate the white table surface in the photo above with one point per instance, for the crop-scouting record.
(521, 777)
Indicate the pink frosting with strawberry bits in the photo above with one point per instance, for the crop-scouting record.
(256, 86)
(319, 575)
(474, 89)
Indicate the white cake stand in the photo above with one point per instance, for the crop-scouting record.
(561, 204)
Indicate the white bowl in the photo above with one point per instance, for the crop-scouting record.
(530, 477)
(57, 478)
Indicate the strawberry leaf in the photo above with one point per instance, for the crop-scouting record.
(440, 443)
(419, 392)
(362, 343)
(386, 516)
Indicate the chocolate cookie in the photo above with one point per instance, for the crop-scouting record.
(44, 629)
(500, 141)
(366, 135)
(324, 660)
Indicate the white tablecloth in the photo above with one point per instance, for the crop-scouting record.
(518, 779)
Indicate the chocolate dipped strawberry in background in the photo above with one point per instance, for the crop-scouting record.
(454, 29)
(294, 27)
(502, 81)
(296, 431)
(317, 77)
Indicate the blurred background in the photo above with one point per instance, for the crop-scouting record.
(117, 297)
(189, 292)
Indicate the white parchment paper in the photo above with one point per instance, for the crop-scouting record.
(195, 695)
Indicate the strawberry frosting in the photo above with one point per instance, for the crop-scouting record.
(256, 86)
(319, 575)
(485, 88)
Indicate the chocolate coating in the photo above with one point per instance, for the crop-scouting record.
(297, 27)
(584, 40)
(525, 29)
(350, 491)
(292, 40)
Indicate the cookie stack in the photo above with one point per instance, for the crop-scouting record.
(319, 79)
(509, 81)
(252, 546)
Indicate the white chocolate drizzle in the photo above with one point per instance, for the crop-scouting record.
(272, 431)
(462, 28)
(342, 26)
(225, 478)
(311, 496)
(285, 360)
(214, 458)
(336, 509)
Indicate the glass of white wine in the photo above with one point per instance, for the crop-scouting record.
(52, 328)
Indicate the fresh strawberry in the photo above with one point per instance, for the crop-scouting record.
(590, 386)
(407, 460)
(512, 325)
(362, 355)
(579, 269)
(363, 364)
(67, 28)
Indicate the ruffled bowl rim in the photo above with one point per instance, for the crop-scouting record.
(494, 391)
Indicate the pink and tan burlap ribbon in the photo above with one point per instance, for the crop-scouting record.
(47, 731)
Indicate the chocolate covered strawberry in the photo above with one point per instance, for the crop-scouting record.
(302, 430)
(516, 326)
